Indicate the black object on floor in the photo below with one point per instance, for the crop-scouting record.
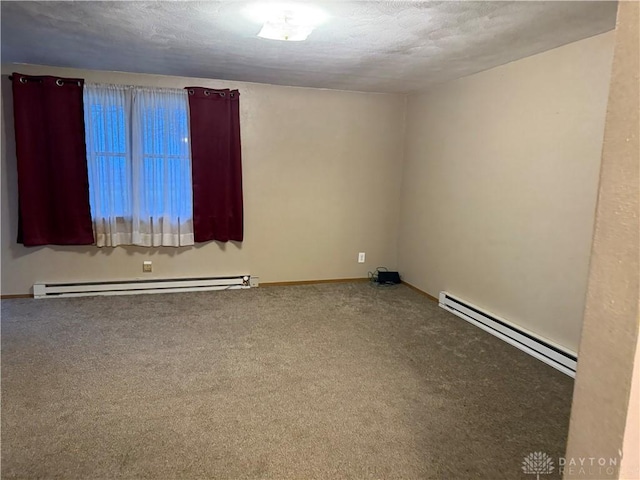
(388, 278)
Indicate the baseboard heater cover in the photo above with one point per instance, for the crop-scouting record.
(548, 352)
(135, 287)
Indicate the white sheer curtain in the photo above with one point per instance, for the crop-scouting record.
(162, 194)
(139, 165)
(107, 137)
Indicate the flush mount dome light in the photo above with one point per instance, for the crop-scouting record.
(286, 21)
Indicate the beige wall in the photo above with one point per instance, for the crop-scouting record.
(603, 418)
(314, 163)
(500, 183)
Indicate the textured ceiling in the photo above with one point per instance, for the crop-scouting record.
(389, 46)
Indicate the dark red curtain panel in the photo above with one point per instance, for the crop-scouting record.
(216, 164)
(53, 184)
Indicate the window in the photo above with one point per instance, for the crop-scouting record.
(109, 160)
(139, 165)
(166, 167)
(114, 164)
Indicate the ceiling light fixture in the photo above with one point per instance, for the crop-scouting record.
(286, 21)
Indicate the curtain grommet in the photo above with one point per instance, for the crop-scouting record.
(191, 91)
(222, 94)
(207, 93)
(23, 80)
(59, 83)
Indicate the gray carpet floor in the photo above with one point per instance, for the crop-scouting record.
(319, 381)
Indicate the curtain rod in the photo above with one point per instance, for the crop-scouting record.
(59, 81)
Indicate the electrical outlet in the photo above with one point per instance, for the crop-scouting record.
(147, 266)
(361, 257)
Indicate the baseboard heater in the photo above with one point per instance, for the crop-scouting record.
(542, 349)
(135, 287)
